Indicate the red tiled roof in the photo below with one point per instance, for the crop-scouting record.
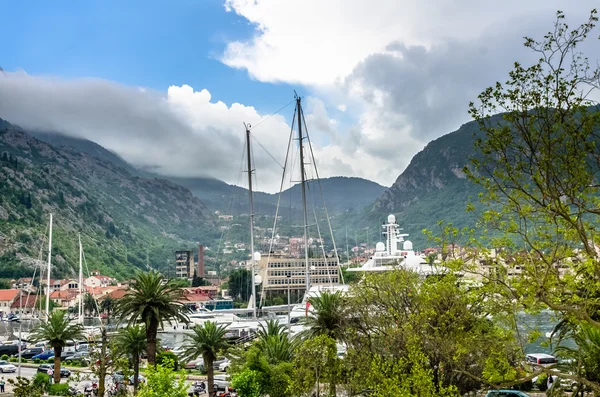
(64, 295)
(8, 294)
(195, 298)
(118, 293)
(27, 302)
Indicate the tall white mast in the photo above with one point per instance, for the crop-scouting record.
(303, 186)
(48, 287)
(252, 269)
(80, 282)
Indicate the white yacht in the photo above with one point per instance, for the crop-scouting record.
(397, 253)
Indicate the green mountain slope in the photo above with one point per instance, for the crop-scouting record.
(432, 188)
(340, 193)
(125, 221)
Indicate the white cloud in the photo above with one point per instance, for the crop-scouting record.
(182, 133)
(407, 70)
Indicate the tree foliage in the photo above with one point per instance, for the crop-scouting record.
(153, 301)
(240, 284)
(131, 341)
(57, 330)
(539, 165)
(161, 381)
(207, 341)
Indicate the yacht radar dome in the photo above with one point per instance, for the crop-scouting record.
(391, 218)
(408, 245)
(380, 247)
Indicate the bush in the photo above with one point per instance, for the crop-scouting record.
(163, 357)
(58, 389)
(13, 360)
(4, 357)
(37, 361)
(41, 381)
(50, 360)
(541, 382)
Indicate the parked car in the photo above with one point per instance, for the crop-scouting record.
(32, 351)
(80, 356)
(118, 377)
(222, 382)
(9, 349)
(224, 366)
(506, 393)
(43, 345)
(46, 354)
(5, 366)
(218, 362)
(83, 347)
(43, 368)
(540, 359)
(192, 364)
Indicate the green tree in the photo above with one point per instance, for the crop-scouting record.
(240, 284)
(23, 387)
(152, 301)
(90, 306)
(538, 164)
(327, 317)
(401, 321)
(132, 341)
(207, 341)
(106, 306)
(161, 381)
(246, 383)
(57, 330)
(314, 364)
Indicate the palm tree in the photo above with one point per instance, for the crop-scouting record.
(132, 341)
(57, 330)
(278, 348)
(89, 304)
(152, 301)
(207, 341)
(107, 305)
(328, 316)
(273, 328)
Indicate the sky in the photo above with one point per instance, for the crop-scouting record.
(168, 84)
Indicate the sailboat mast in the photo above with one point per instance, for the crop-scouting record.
(252, 269)
(49, 268)
(303, 181)
(80, 283)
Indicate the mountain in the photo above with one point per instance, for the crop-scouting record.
(125, 221)
(432, 188)
(340, 193)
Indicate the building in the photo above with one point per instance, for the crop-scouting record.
(184, 264)
(209, 290)
(98, 280)
(64, 298)
(200, 271)
(7, 298)
(278, 272)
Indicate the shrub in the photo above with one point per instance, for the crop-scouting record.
(50, 360)
(37, 361)
(166, 356)
(41, 381)
(4, 357)
(58, 389)
(541, 382)
(13, 360)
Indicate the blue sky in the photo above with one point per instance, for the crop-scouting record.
(150, 43)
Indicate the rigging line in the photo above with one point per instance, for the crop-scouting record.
(225, 232)
(287, 153)
(272, 114)
(321, 241)
(337, 257)
(93, 289)
(266, 151)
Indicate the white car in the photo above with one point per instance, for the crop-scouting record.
(224, 365)
(221, 382)
(5, 366)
